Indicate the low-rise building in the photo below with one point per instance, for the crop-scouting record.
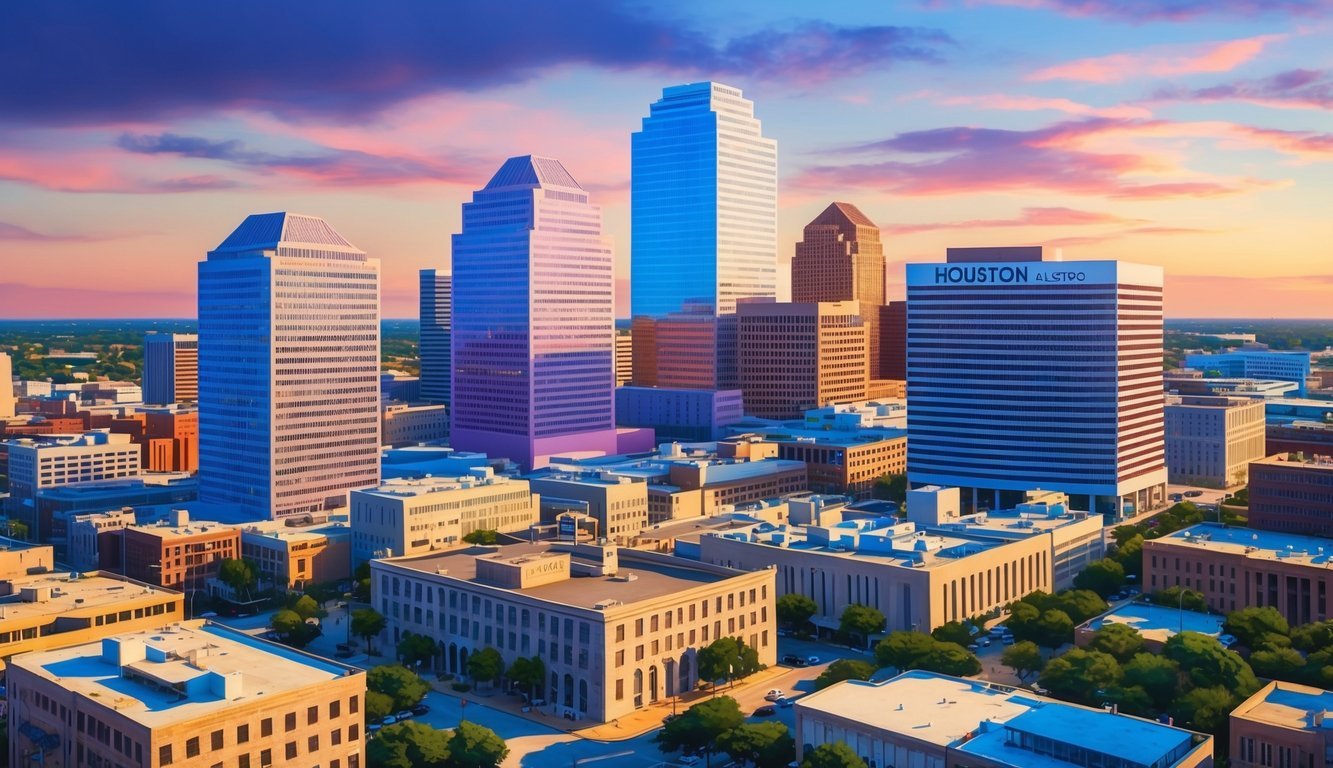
(402, 424)
(191, 694)
(1283, 724)
(292, 553)
(1289, 410)
(842, 462)
(1238, 568)
(1190, 382)
(679, 414)
(437, 460)
(618, 503)
(617, 628)
(85, 532)
(1308, 437)
(414, 516)
(1292, 492)
(1210, 441)
(936, 721)
(1257, 361)
(1155, 623)
(174, 553)
(38, 464)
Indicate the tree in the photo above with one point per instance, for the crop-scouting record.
(529, 673)
(795, 610)
(1156, 675)
(239, 575)
(1192, 601)
(378, 705)
(951, 659)
(306, 607)
(1079, 604)
(1253, 625)
(367, 623)
(1079, 674)
(1119, 640)
(1024, 658)
(1279, 664)
(902, 650)
(1104, 577)
(727, 658)
(399, 683)
(860, 621)
(414, 648)
(1314, 636)
(833, 754)
(1022, 622)
(1207, 664)
(409, 744)
(701, 725)
(482, 536)
(361, 583)
(1206, 709)
(1054, 629)
(486, 664)
(475, 746)
(891, 487)
(16, 529)
(766, 745)
(844, 669)
(292, 629)
(952, 632)
(1130, 556)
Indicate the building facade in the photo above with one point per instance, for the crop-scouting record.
(1292, 493)
(619, 504)
(40, 464)
(624, 356)
(1256, 361)
(1211, 441)
(794, 357)
(170, 368)
(1281, 724)
(893, 341)
(843, 462)
(404, 424)
(703, 223)
(289, 368)
(292, 557)
(534, 319)
(679, 414)
(7, 398)
(436, 312)
(174, 553)
(1024, 373)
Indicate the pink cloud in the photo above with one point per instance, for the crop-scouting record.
(1030, 217)
(1162, 61)
(18, 300)
(1035, 103)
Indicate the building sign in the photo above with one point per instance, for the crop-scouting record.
(1030, 273)
(568, 527)
(992, 274)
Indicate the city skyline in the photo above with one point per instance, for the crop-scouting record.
(1187, 135)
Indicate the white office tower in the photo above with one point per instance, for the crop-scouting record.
(289, 368)
(436, 304)
(6, 386)
(170, 368)
(1024, 373)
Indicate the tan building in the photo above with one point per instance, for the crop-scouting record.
(192, 694)
(1283, 724)
(927, 720)
(845, 462)
(1238, 568)
(291, 556)
(1210, 441)
(624, 356)
(402, 424)
(618, 503)
(617, 628)
(797, 356)
(173, 553)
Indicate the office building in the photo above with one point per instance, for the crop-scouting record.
(703, 222)
(413, 517)
(1314, 438)
(893, 341)
(1292, 493)
(624, 356)
(292, 557)
(534, 321)
(168, 435)
(289, 368)
(1282, 724)
(402, 424)
(986, 325)
(619, 629)
(192, 694)
(1210, 441)
(794, 357)
(1281, 411)
(7, 398)
(399, 386)
(679, 414)
(40, 464)
(618, 504)
(174, 553)
(841, 462)
(170, 368)
(436, 324)
(1238, 568)
(78, 536)
(1191, 382)
(1255, 361)
(927, 719)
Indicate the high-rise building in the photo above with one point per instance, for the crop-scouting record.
(6, 386)
(1024, 373)
(794, 357)
(893, 341)
(840, 258)
(624, 356)
(170, 368)
(1212, 440)
(533, 321)
(436, 309)
(703, 210)
(289, 385)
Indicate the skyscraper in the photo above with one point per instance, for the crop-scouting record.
(840, 258)
(799, 356)
(170, 368)
(1024, 373)
(289, 367)
(6, 386)
(533, 320)
(703, 211)
(436, 307)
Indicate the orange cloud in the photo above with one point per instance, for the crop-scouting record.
(1162, 61)
(1036, 103)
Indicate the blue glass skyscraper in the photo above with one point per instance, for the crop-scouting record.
(703, 208)
(435, 303)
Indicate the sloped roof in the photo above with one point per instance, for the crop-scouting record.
(843, 215)
(532, 171)
(265, 231)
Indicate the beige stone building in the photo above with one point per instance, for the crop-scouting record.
(1283, 724)
(292, 555)
(618, 503)
(794, 357)
(195, 694)
(617, 628)
(402, 424)
(1210, 441)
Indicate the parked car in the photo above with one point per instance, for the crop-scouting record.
(1007, 639)
(774, 695)
(1193, 494)
(784, 702)
(999, 630)
(973, 647)
(421, 709)
(388, 720)
(374, 727)
(765, 711)
(983, 641)
(406, 714)
(792, 660)
(811, 660)
(1227, 640)
(1177, 497)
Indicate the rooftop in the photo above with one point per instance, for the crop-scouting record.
(532, 171)
(181, 672)
(89, 592)
(266, 231)
(879, 540)
(1304, 460)
(1289, 705)
(1250, 542)
(1159, 622)
(835, 438)
(405, 487)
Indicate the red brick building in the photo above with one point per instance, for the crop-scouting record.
(1292, 494)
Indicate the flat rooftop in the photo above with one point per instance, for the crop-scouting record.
(403, 487)
(1289, 705)
(653, 578)
(1309, 461)
(81, 595)
(883, 541)
(972, 716)
(1159, 622)
(834, 438)
(165, 687)
(1249, 542)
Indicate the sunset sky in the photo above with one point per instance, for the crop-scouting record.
(1193, 134)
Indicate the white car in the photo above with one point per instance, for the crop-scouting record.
(774, 695)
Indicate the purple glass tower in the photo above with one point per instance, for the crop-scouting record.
(533, 320)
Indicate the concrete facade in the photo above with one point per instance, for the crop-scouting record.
(1282, 725)
(794, 357)
(679, 414)
(619, 504)
(402, 424)
(1210, 441)
(1292, 493)
(41, 463)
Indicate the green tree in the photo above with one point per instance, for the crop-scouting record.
(475, 746)
(414, 648)
(529, 673)
(409, 744)
(860, 621)
(1054, 629)
(1079, 674)
(1253, 626)
(1024, 658)
(903, 650)
(1207, 664)
(951, 659)
(292, 629)
(361, 583)
(1104, 577)
(844, 669)
(1023, 619)
(765, 745)
(306, 607)
(1079, 604)
(240, 575)
(700, 726)
(1156, 675)
(378, 705)
(1313, 637)
(1130, 556)
(795, 610)
(1191, 601)
(727, 658)
(833, 754)
(1279, 664)
(1206, 709)
(399, 683)
(953, 632)
(16, 529)
(367, 623)
(891, 487)
(1120, 640)
(482, 536)
(485, 665)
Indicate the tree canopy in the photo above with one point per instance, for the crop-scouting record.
(482, 536)
(1024, 658)
(1257, 626)
(240, 575)
(795, 610)
(833, 754)
(727, 658)
(916, 650)
(1104, 577)
(399, 683)
(292, 628)
(765, 745)
(527, 672)
(367, 623)
(700, 726)
(475, 746)
(844, 669)
(413, 648)
(1119, 640)
(1080, 674)
(409, 744)
(953, 632)
(860, 621)
(485, 665)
